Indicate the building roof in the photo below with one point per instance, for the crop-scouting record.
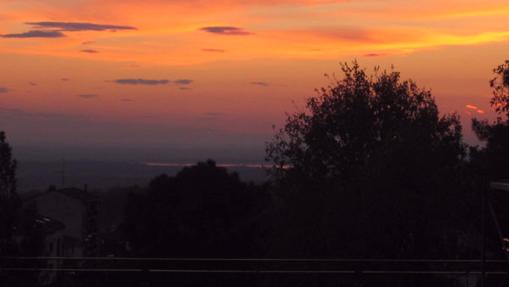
(76, 193)
(500, 185)
(49, 225)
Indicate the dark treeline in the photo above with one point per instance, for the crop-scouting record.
(371, 169)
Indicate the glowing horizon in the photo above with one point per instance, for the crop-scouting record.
(221, 73)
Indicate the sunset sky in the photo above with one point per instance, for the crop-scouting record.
(218, 74)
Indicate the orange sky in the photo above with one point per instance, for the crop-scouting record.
(221, 73)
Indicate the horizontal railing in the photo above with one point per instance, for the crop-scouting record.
(339, 266)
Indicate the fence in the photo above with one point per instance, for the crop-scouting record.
(469, 271)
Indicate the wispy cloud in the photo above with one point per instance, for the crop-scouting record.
(211, 116)
(36, 34)
(374, 55)
(3, 90)
(141, 82)
(88, 96)
(153, 82)
(89, 51)
(213, 50)
(226, 30)
(79, 26)
(55, 29)
(214, 114)
(183, 82)
(261, 84)
(19, 113)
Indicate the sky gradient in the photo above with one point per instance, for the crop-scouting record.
(196, 73)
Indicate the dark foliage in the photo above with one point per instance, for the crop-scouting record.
(371, 169)
(491, 160)
(203, 211)
(500, 88)
(9, 202)
(21, 234)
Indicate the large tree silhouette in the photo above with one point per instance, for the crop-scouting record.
(361, 123)
(367, 170)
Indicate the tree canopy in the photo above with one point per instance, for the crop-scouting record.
(368, 169)
(364, 125)
(202, 211)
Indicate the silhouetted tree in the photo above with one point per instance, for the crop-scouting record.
(500, 88)
(202, 211)
(9, 202)
(369, 170)
(491, 160)
(16, 221)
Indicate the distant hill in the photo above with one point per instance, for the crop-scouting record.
(39, 175)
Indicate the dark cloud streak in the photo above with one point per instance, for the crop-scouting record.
(183, 82)
(89, 51)
(374, 55)
(226, 30)
(141, 82)
(79, 26)
(88, 96)
(214, 114)
(213, 50)
(261, 84)
(36, 34)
